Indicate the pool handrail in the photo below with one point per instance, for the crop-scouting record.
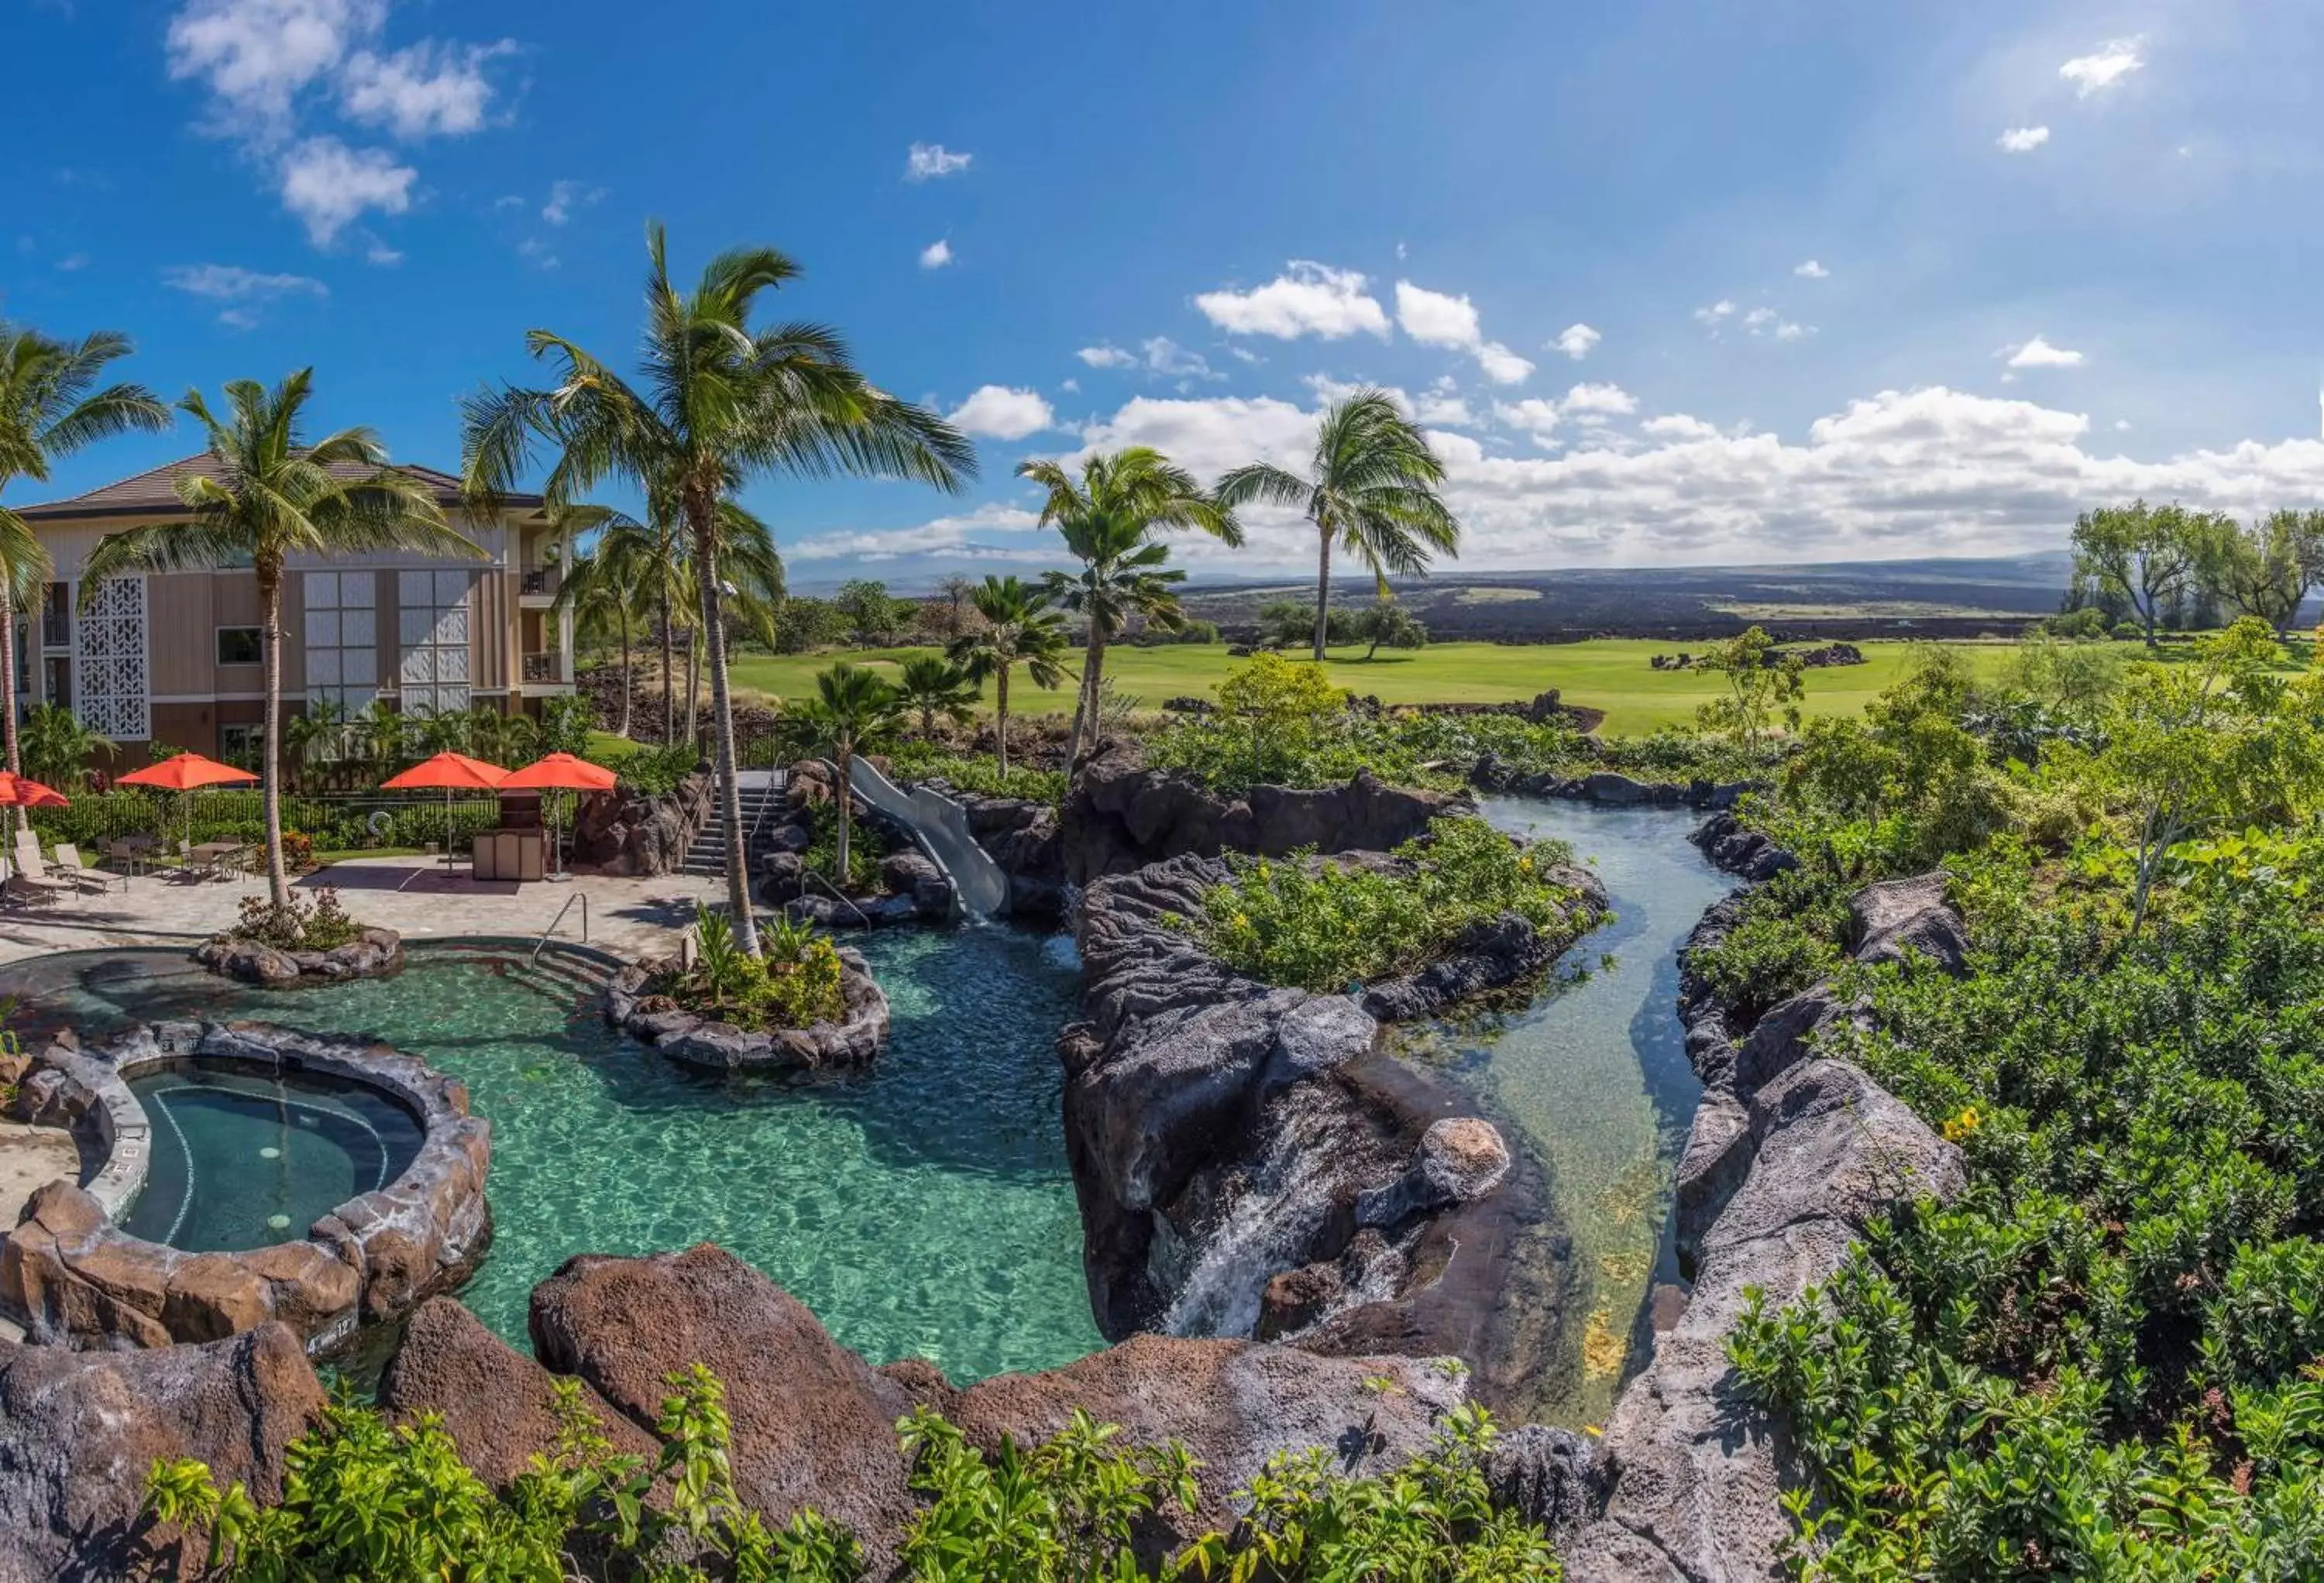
(542, 944)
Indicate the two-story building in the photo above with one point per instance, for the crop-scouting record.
(176, 658)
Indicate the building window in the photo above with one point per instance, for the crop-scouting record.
(56, 617)
(432, 611)
(343, 638)
(243, 746)
(241, 645)
(109, 662)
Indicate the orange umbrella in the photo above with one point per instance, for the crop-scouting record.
(186, 772)
(559, 772)
(17, 792)
(452, 772)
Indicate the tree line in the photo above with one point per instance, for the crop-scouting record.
(2159, 568)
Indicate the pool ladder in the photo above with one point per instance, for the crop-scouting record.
(542, 944)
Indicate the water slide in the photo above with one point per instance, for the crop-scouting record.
(940, 825)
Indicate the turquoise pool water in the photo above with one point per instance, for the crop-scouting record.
(923, 1211)
(241, 1161)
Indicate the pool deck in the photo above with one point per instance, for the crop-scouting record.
(415, 897)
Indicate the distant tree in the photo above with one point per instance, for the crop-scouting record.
(1372, 488)
(806, 624)
(2148, 556)
(852, 712)
(1763, 686)
(51, 407)
(874, 617)
(1018, 628)
(930, 684)
(2266, 569)
(1387, 624)
(1287, 623)
(606, 588)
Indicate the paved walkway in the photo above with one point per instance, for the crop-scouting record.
(415, 897)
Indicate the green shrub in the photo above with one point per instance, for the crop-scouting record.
(657, 771)
(1786, 939)
(1314, 924)
(979, 773)
(396, 1505)
(319, 925)
(795, 982)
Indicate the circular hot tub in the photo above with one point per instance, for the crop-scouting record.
(249, 1175)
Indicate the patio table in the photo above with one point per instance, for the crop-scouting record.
(215, 858)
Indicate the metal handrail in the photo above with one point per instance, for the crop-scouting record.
(542, 944)
(838, 895)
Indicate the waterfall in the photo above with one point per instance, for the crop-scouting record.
(1271, 1226)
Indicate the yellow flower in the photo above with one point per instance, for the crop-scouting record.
(1960, 1128)
(1525, 864)
(1241, 921)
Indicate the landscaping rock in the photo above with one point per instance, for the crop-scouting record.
(375, 953)
(1780, 1040)
(1739, 851)
(706, 1045)
(80, 1431)
(626, 832)
(1894, 918)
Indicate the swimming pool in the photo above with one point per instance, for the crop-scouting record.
(922, 1210)
(240, 1161)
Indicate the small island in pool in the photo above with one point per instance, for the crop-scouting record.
(801, 1005)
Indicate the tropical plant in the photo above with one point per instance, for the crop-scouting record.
(273, 496)
(57, 749)
(378, 733)
(1119, 501)
(2145, 558)
(930, 684)
(2267, 569)
(606, 588)
(852, 712)
(1371, 489)
(319, 732)
(1018, 628)
(721, 401)
(1764, 686)
(51, 406)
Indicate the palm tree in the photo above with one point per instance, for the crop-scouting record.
(931, 685)
(749, 590)
(1372, 489)
(1121, 576)
(1140, 486)
(274, 496)
(315, 734)
(49, 409)
(58, 748)
(720, 402)
(852, 709)
(1020, 629)
(379, 732)
(604, 588)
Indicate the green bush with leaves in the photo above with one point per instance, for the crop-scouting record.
(1786, 938)
(793, 984)
(1317, 925)
(321, 923)
(396, 1505)
(2107, 1357)
(980, 773)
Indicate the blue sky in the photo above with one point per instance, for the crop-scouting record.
(1668, 282)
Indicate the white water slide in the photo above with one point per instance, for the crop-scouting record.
(940, 825)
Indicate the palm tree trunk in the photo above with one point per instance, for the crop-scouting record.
(722, 716)
(694, 675)
(628, 678)
(8, 693)
(270, 596)
(1322, 592)
(1084, 738)
(669, 673)
(1001, 718)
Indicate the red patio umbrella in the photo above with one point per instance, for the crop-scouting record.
(186, 772)
(559, 772)
(18, 792)
(448, 772)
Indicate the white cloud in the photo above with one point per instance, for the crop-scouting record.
(1107, 356)
(564, 197)
(929, 161)
(1165, 356)
(1811, 270)
(2104, 66)
(967, 535)
(935, 254)
(2038, 353)
(1442, 405)
(1437, 320)
(233, 283)
(379, 252)
(328, 185)
(73, 262)
(1610, 400)
(2024, 140)
(538, 253)
(1577, 341)
(1533, 417)
(999, 412)
(1070, 386)
(1926, 472)
(2122, 424)
(1717, 314)
(430, 88)
(1679, 426)
(1308, 298)
(257, 55)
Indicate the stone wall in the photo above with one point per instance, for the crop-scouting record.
(626, 832)
(74, 1277)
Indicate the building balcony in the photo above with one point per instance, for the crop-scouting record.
(540, 585)
(548, 670)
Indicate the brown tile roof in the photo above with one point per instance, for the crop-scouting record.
(154, 493)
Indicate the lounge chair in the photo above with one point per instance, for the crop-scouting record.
(30, 882)
(73, 871)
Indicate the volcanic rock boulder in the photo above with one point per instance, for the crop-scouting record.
(80, 1431)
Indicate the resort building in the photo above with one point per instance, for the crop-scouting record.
(176, 658)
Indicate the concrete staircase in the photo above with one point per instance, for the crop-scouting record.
(763, 792)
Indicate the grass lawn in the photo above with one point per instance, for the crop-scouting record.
(1612, 674)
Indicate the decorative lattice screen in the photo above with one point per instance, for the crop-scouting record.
(110, 690)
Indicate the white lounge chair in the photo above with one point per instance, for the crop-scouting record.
(74, 873)
(30, 882)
